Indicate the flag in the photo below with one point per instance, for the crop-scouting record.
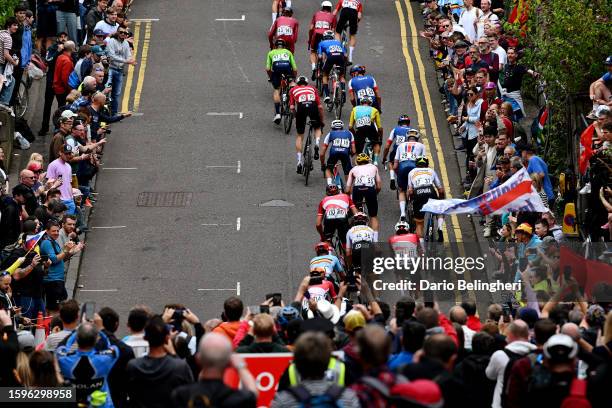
(516, 194)
(537, 127)
(586, 272)
(586, 148)
(33, 240)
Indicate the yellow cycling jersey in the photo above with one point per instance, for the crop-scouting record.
(362, 116)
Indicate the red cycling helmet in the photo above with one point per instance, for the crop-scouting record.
(322, 246)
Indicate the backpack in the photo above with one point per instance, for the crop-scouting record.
(214, 401)
(577, 397)
(8, 253)
(513, 358)
(329, 399)
(404, 393)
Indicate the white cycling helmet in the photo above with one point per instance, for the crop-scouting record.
(327, 3)
(401, 225)
(337, 124)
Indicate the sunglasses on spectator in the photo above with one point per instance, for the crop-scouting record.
(4, 273)
(123, 32)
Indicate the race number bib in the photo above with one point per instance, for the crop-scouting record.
(306, 98)
(284, 30)
(361, 238)
(335, 49)
(322, 25)
(365, 92)
(280, 57)
(363, 121)
(341, 143)
(399, 140)
(335, 213)
(350, 4)
(407, 156)
(422, 181)
(367, 181)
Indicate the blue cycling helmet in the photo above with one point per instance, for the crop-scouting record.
(358, 69)
(328, 35)
(289, 313)
(403, 119)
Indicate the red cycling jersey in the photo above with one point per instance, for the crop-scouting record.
(321, 22)
(325, 290)
(406, 244)
(285, 28)
(303, 94)
(352, 4)
(335, 206)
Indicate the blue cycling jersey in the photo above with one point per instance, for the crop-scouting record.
(363, 85)
(339, 141)
(331, 48)
(399, 135)
(331, 263)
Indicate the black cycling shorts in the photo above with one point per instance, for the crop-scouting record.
(348, 15)
(342, 158)
(370, 196)
(369, 132)
(338, 60)
(421, 196)
(55, 293)
(276, 76)
(331, 226)
(303, 111)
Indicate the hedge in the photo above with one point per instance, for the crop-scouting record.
(6, 10)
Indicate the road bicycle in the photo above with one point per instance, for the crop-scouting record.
(335, 102)
(319, 77)
(337, 177)
(22, 100)
(307, 154)
(286, 114)
(429, 227)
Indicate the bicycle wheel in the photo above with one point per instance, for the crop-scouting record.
(338, 101)
(332, 86)
(22, 100)
(307, 155)
(319, 79)
(429, 228)
(338, 180)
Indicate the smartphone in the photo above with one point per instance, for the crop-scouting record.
(506, 312)
(276, 298)
(264, 309)
(88, 311)
(315, 280)
(44, 258)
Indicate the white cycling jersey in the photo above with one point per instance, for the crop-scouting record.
(360, 233)
(409, 151)
(364, 175)
(423, 177)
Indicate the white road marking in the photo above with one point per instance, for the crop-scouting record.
(230, 19)
(136, 114)
(219, 167)
(110, 227)
(217, 225)
(144, 19)
(236, 289)
(98, 290)
(239, 114)
(238, 224)
(119, 168)
(238, 167)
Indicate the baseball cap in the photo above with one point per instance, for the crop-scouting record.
(460, 44)
(67, 149)
(26, 341)
(608, 60)
(354, 320)
(470, 71)
(490, 85)
(560, 348)
(99, 31)
(76, 192)
(34, 166)
(526, 228)
(68, 114)
(602, 110)
(96, 49)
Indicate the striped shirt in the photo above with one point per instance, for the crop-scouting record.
(6, 43)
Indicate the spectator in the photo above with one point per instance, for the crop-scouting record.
(311, 358)
(458, 315)
(45, 370)
(136, 322)
(27, 178)
(108, 25)
(9, 347)
(511, 79)
(232, 312)
(413, 336)
(404, 311)
(151, 379)
(63, 67)
(11, 26)
(473, 322)
(468, 19)
(354, 321)
(6, 301)
(215, 355)
(25, 55)
(471, 121)
(479, 389)
(88, 368)
(11, 209)
(98, 116)
(60, 169)
(17, 36)
(95, 15)
(541, 229)
(66, 15)
(263, 331)
(120, 54)
(69, 314)
(53, 52)
(517, 337)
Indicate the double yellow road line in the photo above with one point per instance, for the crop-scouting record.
(142, 66)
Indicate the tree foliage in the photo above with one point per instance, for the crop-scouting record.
(6, 10)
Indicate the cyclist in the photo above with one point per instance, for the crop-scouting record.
(422, 185)
(286, 28)
(322, 21)
(364, 183)
(332, 214)
(403, 242)
(365, 124)
(397, 136)
(359, 238)
(404, 161)
(362, 85)
(278, 63)
(342, 147)
(304, 101)
(335, 54)
(327, 260)
(350, 13)
(278, 5)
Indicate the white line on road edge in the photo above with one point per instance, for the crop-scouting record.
(238, 224)
(230, 19)
(144, 19)
(239, 114)
(217, 225)
(98, 290)
(110, 227)
(135, 114)
(119, 168)
(237, 289)
(238, 168)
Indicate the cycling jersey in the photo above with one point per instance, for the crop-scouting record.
(351, 4)
(363, 85)
(322, 21)
(340, 141)
(325, 290)
(405, 244)
(360, 234)
(285, 28)
(362, 116)
(407, 152)
(303, 95)
(331, 48)
(397, 136)
(423, 177)
(335, 207)
(331, 263)
(365, 175)
(280, 59)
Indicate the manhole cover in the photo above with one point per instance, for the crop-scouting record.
(164, 199)
(276, 203)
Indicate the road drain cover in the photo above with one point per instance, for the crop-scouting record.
(164, 199)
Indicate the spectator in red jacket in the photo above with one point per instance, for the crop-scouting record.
(473, 321)
(63, 68)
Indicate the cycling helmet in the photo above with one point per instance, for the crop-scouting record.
(327, 3)
(328, 35)
(290, 313)
(337, 124)
(362, 158)
(413, 133)
(403, 119)
(401, 227)
(288, 11)
(280, 43)
(322, 246)
(360, 218)
(422, 161)
(366, 99)
(358, 69)
(331, 189)
(302, 80)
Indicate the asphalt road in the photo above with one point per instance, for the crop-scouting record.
(196, 66)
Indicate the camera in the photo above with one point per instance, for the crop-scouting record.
(276, 298)
(351, 279)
